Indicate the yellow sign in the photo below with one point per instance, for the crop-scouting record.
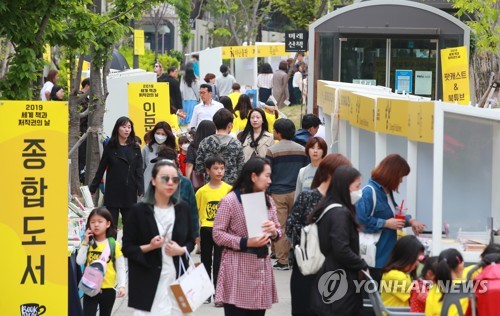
(271, 50)
(392, 116)
(47, 56)
(329, 100)
(148, 104)
(421, 121)
(138, 42)
(345, 98)
(33, 216)
(231, 52)
(363, 113)
(455, 69)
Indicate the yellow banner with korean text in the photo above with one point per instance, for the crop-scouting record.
(362, 112)
(271, 50)
(230, 52)
(421, 121)
(138, 42)
(392, 116)
(455, 70)
(148, 104)
(33, 216)
(345, 98)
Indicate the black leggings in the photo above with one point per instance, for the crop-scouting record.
(232, 310)
(115, 212)
(105, 300)
(207, 245)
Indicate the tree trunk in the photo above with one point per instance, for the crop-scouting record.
(483, 64)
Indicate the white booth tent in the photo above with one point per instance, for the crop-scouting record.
(451, 150)
(243, 59)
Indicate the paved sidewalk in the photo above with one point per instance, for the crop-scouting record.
(280, 309)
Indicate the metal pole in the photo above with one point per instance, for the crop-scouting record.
(136, 57)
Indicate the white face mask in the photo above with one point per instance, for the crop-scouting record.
(355, 196)
(185, 147)
(160, 139)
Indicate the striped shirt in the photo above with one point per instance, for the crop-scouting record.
(265, 81)
(287, 158)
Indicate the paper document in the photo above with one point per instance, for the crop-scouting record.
(255, 209)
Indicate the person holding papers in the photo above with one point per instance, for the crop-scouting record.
(246, 284)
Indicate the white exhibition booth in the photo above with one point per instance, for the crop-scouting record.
(244, 60)
(451, 150)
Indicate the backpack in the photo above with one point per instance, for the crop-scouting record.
(93, 275)
(308, 254)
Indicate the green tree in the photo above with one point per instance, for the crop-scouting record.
(485, 53)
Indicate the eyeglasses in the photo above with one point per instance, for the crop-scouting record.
(166, 179)
(157, 66)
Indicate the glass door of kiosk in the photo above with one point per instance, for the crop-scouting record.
(404, 65)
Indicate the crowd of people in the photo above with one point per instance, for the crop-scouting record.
(184, 192)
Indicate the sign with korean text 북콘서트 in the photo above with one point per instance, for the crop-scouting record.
(231, 52)
(148, 104)
(455, 70)
(33, 216)
(392, 116)
(421, 121)
(296, 41)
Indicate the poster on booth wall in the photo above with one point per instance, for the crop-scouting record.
(455, 70)
(148, 104)
(33, 216)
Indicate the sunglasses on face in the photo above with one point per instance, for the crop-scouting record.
(166, 179)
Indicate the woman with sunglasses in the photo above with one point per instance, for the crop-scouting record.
(159, 234)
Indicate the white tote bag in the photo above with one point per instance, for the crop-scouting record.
(193, 287)
(368, 241)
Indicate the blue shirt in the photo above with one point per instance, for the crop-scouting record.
(375, 223)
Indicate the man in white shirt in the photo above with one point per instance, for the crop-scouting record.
(206, 109)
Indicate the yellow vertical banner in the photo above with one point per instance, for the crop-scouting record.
(455, 75)
(392, 116)
(345, 99)
(138, 42)
(320, 88)
(148, 104)
(33, 216)
(421, 121)
(364, 113)
(329, 100)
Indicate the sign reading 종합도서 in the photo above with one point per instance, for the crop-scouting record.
(33, 215)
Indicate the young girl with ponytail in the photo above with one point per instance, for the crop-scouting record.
(449, 272)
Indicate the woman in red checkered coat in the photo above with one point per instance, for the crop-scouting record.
(246, 281)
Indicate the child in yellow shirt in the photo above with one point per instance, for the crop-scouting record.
(400, 271)
(449, 271)
(207, 199)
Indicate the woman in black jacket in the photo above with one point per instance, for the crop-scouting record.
(159, 233)
(122, 161)
(339, 242)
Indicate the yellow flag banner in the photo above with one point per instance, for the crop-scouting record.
(33, 216)
(138, 42)
(421, 121)
(392, 116)
(148, 104)
(455, 69)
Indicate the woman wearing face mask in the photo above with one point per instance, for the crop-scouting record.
(160, 134)
(339, 242)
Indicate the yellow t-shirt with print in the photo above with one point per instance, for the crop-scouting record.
(395, 289)
(94, 254)
(238, 123)
(207, 199)
(434, 304)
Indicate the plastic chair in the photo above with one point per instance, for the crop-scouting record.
(378, 306)
(453, 299)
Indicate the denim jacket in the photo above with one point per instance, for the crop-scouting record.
(375, 223)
